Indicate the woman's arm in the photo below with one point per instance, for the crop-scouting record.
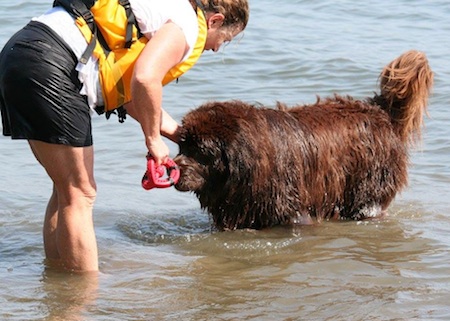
(163, 51)
(169, 127)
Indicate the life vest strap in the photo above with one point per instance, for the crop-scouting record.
(89, 49)
(81, 8)
(201, 6)
(78, 8)
(130, 22)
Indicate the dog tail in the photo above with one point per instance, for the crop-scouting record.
(405, 85)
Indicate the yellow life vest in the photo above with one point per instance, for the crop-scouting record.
(116, 62)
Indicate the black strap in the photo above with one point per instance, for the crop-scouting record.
(78, 8)
(130, 22)
(200, 5)
(88, 3)
(89, 49)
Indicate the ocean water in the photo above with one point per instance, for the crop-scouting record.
(159, 259)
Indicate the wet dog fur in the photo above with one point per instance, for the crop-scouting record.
(252, 166)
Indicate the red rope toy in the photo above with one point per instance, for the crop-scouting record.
(155, 175)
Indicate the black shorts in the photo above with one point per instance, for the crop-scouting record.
(39, 89)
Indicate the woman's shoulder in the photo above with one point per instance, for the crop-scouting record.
(167, 7)
(152, 14)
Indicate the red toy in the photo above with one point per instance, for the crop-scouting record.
(154, 176)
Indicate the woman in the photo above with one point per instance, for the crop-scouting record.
(55, 70)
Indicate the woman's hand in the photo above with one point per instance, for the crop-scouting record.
(158, 149)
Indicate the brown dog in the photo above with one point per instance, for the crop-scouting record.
(340, 158)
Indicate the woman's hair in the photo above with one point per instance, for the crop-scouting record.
(236, 12)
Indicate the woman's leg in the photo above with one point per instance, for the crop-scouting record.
(69, 227)
(50, 224)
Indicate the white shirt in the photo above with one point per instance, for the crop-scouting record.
(150, 15)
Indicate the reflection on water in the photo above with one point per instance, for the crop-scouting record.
(193, 233)
(172, 266)
(320, 271)
(165, 228)
(68, 297)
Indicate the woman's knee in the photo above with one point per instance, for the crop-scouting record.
(74, 190)
(83, 193)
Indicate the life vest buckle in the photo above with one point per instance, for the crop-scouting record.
(88, 17)
(125, 4)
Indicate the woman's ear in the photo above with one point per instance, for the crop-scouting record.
(216, 20)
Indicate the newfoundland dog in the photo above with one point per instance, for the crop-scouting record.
(255, 167)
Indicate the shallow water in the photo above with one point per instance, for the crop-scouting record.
(159, 258)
